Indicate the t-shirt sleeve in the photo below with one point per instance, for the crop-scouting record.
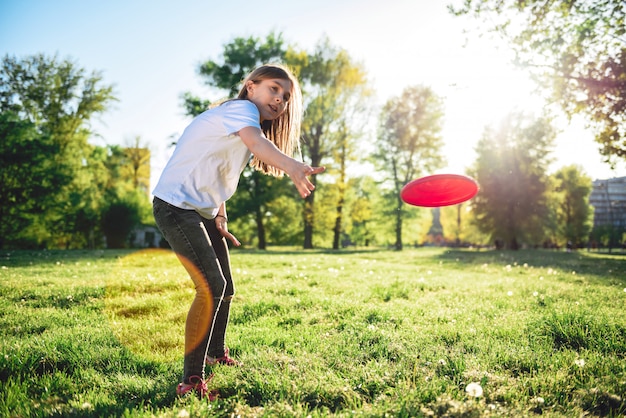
(240, 114)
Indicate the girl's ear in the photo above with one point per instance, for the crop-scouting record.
(249, 87)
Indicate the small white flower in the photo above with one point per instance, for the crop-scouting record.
(580, 362)
(535, 294)
(509, 293)
(474, 389)
(538, 400)
(183, 413)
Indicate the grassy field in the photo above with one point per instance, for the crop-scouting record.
(422, 332)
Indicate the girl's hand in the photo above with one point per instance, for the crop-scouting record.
(267, 152)
(299, 176)
(222, 225)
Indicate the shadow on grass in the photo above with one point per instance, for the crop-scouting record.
(22, 258)
(601, 266)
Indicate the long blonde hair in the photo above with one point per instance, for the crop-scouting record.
(283, 131)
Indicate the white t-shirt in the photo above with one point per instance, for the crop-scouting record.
(208, 160)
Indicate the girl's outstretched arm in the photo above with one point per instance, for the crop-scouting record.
(267, 152)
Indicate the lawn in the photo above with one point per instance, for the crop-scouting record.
(420, 332)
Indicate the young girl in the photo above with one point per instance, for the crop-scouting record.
(202, 174)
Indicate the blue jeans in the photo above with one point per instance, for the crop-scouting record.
(204, 253)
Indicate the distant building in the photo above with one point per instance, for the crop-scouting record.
(146, 236)
(608, 198)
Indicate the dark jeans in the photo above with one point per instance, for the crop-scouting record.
(204, 253)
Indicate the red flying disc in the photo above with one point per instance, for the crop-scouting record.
(439, 190)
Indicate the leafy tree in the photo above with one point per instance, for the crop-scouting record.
(53, 101)
(137, 165)
(240, 56)
(25, 173)
(574, 214)
(408, 144)
(577, 48)
(120, 217)
(362, 211)
(512, 205)
(337, 92)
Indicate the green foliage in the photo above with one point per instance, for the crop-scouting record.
(46, 106)
(25, 172)
(574, 214)
(372, 333)
(121, 215)
(576, 48)
(512, 205)
(240, 56)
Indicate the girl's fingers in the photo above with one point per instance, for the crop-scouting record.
(232, 239)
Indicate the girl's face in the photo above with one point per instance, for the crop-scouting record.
(270, 96)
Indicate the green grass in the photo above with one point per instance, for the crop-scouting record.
(352, 333)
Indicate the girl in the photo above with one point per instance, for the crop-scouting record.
(190, 199)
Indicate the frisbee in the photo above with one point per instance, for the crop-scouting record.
(439, 190)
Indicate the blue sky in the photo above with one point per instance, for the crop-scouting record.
(150, 49)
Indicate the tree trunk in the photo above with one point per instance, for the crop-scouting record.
(260, 229)
(309, 205)
(398, 244)
(340, 201)
(308, 221)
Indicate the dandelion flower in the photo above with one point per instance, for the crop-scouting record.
(474, 389)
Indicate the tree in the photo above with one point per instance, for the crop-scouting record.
(137, 165)
(408, 143)
(511, 168)
(337, 91)
(240, 56)
(25, 173)
(574, 214)
(576, 48)
(48, 104)
(119, 218)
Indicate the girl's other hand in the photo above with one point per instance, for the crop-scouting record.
(222, 225)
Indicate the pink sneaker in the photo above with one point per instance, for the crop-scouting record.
(224, 360)
(199, 386)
